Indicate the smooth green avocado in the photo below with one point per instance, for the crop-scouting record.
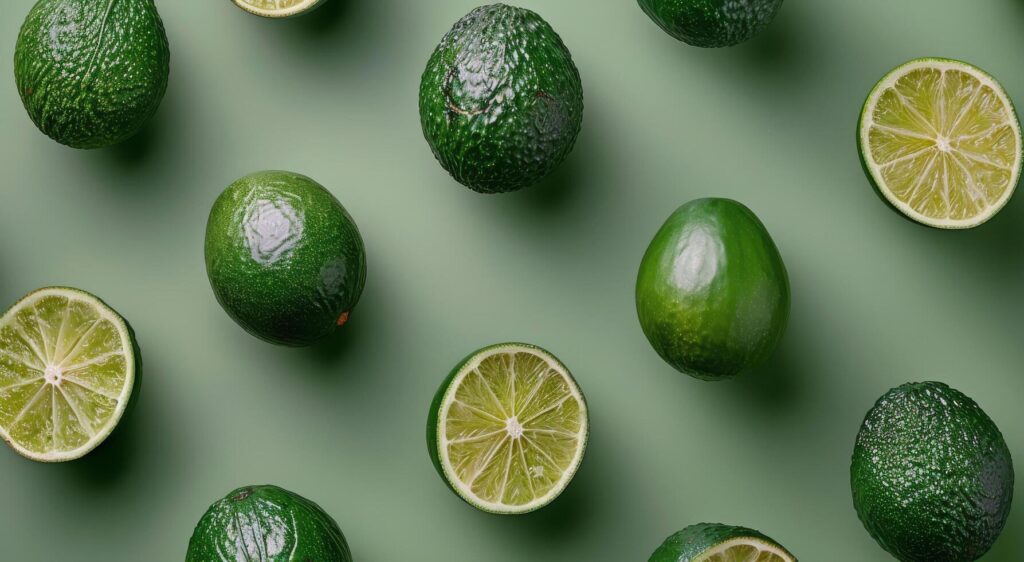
(712, 23)
(269, 524)
(92, 73)
(931, 475)
(702, 542)
(284, 258)
(712, 293)
(501, 101)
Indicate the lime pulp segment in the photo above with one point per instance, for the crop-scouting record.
(67, 369)
(746, 549)
(277, 8)
(942, 143)
(512, 429)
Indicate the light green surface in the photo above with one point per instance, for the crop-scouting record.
(877, 301)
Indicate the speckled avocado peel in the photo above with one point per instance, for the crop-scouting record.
(501, 101)
(712, 23)
(92, 73)
(285, 259)
(270, 524)
(932, 477)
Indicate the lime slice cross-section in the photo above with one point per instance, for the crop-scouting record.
(277, 8)
(67, 371)
(508, 428)
(941, 142)
(715, 542)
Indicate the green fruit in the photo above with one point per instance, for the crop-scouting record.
(712, 293)
(92, 73)
(712, 23)
(940, 142)
(278, 8)
(269, 524)
(69, 371)
(501, 101)
(284, 258)
(714, 542)
(931, 475)
(508, 428)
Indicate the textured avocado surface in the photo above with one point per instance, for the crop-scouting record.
(284, 258)
(712, 23)
(712, 293)
(269, 524)
(501, 101)
(687, 545)
(92, 73)
(931, 475)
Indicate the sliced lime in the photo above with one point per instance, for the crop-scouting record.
(746, 549)
(67, 370)
(508, 428)
(715, 542)
(277, 8)
(941, 142)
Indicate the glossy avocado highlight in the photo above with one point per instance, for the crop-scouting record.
(712, 293)
(501, 101)
(270, 524)
(284, 258)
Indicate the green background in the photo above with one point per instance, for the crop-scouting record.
(877, 301)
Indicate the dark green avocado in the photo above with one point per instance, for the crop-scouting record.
(712, 293)
(268, 524)
(931, 475)
(91, 73)
(712, 23)
(284, 258)
(501, 101)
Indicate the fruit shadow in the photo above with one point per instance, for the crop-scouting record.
(777, 44)
(326, 19)
(993, 245)
(168, 123)
(113, 459)
(557, 191)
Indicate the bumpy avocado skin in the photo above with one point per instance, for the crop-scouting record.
(92, 73)
(284, 258)
(270, 524)
(712, 23)
(501, 102)
(932, 477)
(691, 542)
(712, 293)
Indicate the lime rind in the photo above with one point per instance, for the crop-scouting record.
(274, 12)
(438, 441)
(753, 549)
(872, 168)
(128, 350)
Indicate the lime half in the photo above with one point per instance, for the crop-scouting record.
(67, 370)
(941, 143)
(714, 542)
(508, 428)
(277, 8)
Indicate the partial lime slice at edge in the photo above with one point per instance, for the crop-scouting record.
(67, 372)
(744, 549)
(510, 429)
(941, 142)
(278, 8)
